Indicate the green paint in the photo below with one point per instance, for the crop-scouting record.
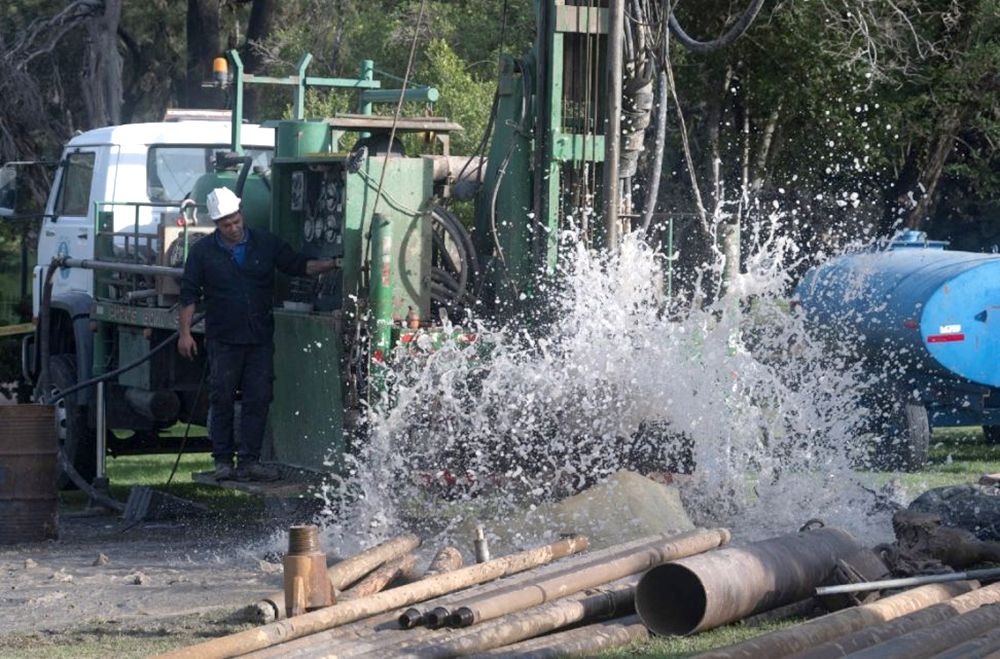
(306, 421)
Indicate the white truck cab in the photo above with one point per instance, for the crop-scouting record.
(133, 163)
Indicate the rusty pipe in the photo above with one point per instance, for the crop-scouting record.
(270, 608)
(339, 614)
(382, 576)
(880, 633)
(581, 641)
(802, 637)
(929, 641)
(304, 572)
(419, 616)
(573, 580)
(705, 591)
(610, 601)
(987, 645)
(448, 559)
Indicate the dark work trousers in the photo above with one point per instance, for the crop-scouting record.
(250, 370)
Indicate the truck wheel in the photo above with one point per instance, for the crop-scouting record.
(992, 435)
(76, 439)
(907, 440)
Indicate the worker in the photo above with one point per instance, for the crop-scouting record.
(232, 271)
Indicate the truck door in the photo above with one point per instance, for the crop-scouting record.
(68, 228)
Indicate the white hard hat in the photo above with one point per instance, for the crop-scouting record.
(222, 202)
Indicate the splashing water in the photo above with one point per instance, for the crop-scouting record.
(623, 378)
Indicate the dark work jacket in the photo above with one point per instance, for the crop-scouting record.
(238, 299)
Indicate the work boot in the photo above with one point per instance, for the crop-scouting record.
(223, 471)
(255, 471)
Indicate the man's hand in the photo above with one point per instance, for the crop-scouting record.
(187, 347)
(319, 266)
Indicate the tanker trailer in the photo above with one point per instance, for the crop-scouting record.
(925, 325)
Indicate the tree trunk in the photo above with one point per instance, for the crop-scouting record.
(713, 127)
(930, 176)
(102, 68)
(202, 49)
(259, 29)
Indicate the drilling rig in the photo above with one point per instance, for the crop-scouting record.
(568, 124)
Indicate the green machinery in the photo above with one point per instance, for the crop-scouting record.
(344, 188)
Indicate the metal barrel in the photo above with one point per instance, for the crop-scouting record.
(28, 470)
(808, 636)
(712, 589)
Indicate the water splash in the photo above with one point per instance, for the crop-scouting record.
(623, 378)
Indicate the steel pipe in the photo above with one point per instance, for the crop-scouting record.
(113, 266)
(990, 573)
(339, 614)
(381, 577)
(786, 642)
(576, 642)
(578, 578)
(702, 592)
(874, 635)
(929, 641)
(448, 559)
(986, 645)
(271, 607)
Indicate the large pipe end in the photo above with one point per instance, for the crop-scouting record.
(671, 600)
(410, 618)
(437, 617)
(463, 617)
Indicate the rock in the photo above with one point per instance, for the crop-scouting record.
(138, 579)
(975, 508)
(28, 564)
(268, 567)
(101, 560)
(61, 576)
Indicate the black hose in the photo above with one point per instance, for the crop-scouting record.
(730, 36)
(242, 178)
(43, 384)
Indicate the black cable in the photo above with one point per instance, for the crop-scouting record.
(730, 35)
(187, 430)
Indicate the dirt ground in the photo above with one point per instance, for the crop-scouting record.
(109, 591)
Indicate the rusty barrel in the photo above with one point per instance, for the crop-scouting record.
(28, 471)
(704, 591)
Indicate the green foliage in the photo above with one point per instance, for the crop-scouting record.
(463, 98)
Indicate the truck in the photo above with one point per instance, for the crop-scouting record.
(346, 188)
(921, 320)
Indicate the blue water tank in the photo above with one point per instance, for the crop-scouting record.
(936, 311)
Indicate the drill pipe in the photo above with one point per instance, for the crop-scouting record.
(448, 559)
(866, 638)
(929, 641)
(702, 592)
(339, 614)
(271, 607)
(640, 559)
(381, 577)
(614, 600)
(581, 641)
(977, 648)
(785, 642)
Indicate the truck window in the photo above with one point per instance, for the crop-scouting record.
(74, 186)
(171, 171)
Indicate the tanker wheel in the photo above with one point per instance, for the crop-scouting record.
(76, 440)
(992, 435)
(907, 439)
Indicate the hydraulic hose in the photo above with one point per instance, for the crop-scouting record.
(44, 387)
(731, 35)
